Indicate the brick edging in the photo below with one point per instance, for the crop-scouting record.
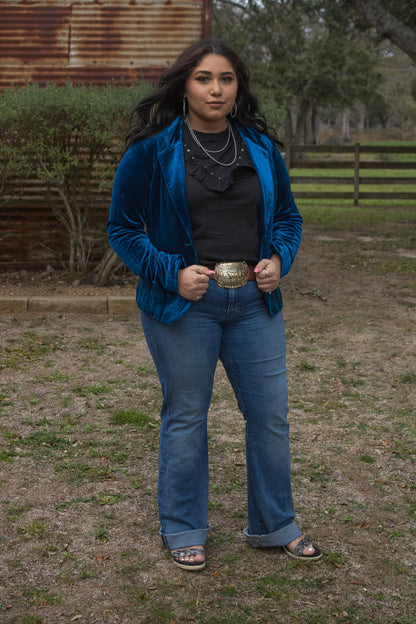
(67, 305)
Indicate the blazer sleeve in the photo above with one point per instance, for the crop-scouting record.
(131, 204)
(287, 221)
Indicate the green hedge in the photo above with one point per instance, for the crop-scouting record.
(71, 137)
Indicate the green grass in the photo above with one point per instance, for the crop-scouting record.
(81, 471)
(30, 348)
(35, 528)
(131, 417)
(6, 456)
(96, 344)
(14, 511)
(394, 143)
(354, 218)
(48, 439)
(97, 390)
(41, 597)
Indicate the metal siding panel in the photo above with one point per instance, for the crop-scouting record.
(94, 42)
(136, 36)
(33, 32)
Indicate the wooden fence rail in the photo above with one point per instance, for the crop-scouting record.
(352, 166)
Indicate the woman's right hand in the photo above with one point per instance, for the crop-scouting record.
(193, 281)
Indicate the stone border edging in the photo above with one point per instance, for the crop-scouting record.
(68, 305)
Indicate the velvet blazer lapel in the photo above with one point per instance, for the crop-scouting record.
(172, 164)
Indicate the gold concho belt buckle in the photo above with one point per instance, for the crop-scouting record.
(231, 274)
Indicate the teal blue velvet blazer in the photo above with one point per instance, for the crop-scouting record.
(149, 224)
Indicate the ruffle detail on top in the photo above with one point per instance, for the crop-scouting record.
(213, 176)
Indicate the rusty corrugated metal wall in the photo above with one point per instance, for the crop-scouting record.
(93, 41)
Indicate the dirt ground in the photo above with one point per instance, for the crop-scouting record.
(79, 412)
(51, 282)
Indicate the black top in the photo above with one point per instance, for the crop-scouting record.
(224, 202)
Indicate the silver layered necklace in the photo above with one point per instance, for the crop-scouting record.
(210, 152)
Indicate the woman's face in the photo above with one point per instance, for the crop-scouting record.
(211, 90)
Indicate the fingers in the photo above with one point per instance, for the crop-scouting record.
(260, 266)
(203, 275)
(201, 284)
(193, 281)
(202, 270)
(268, 274)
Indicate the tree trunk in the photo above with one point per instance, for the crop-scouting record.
(289, 138)
(315, 123)
(308, 127)
(109, 263)
(345, 136)
(387, 25)
(302, 125)
(361, 109)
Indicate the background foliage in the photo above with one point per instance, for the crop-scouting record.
(71, 138)
(314, 60)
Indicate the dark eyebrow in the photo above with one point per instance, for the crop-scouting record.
(208, 73)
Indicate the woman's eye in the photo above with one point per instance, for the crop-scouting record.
(228, 79)
(202, 78)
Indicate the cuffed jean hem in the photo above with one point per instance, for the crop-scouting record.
(185, 539)
(277, 538)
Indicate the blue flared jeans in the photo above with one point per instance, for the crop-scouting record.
(233, 326)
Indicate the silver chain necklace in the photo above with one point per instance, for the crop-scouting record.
(207, 152)
(226, 143)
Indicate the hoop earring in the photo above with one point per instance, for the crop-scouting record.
(184, 106)
(234, 110)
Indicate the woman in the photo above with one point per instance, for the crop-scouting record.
(202, 212)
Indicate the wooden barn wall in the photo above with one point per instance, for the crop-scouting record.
(93, 41)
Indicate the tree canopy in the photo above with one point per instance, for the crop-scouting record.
(304, 55)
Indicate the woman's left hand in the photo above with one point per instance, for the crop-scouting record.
(268, 273)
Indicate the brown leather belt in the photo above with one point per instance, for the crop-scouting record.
(233, 274)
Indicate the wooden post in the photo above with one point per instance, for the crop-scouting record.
(356, 173)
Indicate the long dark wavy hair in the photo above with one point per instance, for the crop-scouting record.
(158, 110)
